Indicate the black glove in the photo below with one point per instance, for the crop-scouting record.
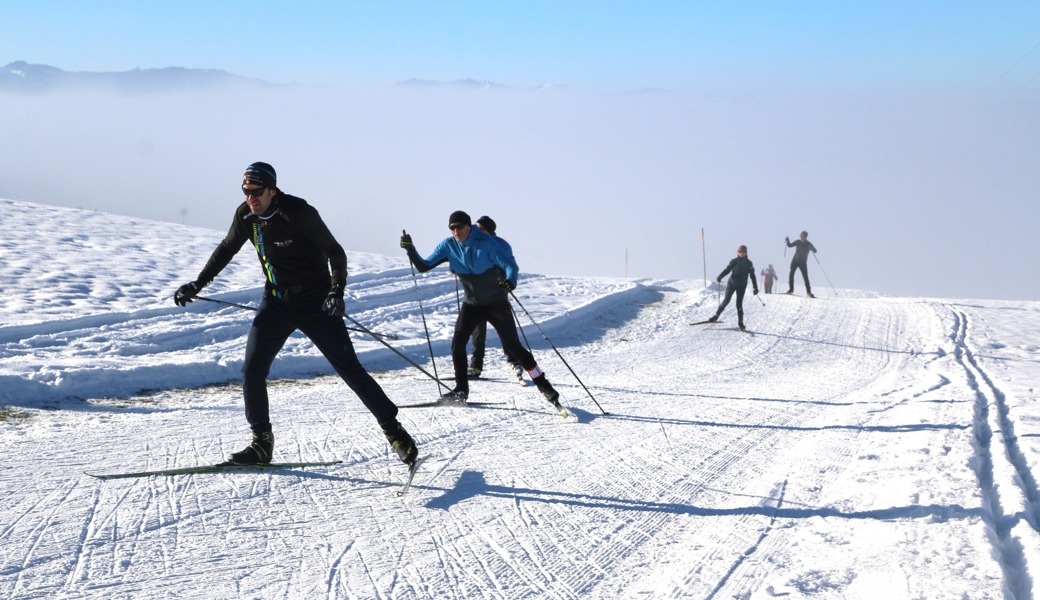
(333, 305)
(406, 241)
(756, 291)
(506, 285)
(186, 292)
(718, 280)
(787, 239)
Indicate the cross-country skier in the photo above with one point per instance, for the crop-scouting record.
(800, 260)
(479, 336)
(742, 270)
(488, 272)
(296, 251)
(768, 279)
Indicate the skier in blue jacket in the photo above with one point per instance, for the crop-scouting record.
(488, 272)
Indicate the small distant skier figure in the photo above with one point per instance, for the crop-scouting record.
(802, 247)
(742, 270)
(768, 277)
(479, 337)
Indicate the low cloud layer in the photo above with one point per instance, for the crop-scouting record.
(904, 194)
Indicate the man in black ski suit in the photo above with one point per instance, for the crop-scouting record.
(742, 270)
(800, 260)
(488, 272)
(296, 251)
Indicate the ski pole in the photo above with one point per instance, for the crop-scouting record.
(399, 353)
(539, 328)
(822, 270)
(389, 336)
(422, 314)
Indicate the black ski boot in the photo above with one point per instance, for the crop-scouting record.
(547, 390)
(473, 373)
(456, 396)
(258, 452)
(741, 326)
(713, 318)
(401, 442)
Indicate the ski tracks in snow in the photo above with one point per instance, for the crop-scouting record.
(1008, 485)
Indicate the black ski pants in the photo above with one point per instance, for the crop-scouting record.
(500, 316)
(732, 288)
(275, 321)
(798, 264)
(479, 339)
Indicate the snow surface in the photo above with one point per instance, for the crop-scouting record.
(856, 446)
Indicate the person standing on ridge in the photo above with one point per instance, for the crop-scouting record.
(800, 260)
(479, 337)
(296, 251)
(488, 272)
(768, 278)
(742, 270)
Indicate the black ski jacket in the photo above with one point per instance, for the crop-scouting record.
(742, 270)
(801, 253)
(295, 248)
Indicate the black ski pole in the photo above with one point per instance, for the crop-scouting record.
(422, 313)
(825, 274)
(389, 336)
(553, 346)
(398, 352)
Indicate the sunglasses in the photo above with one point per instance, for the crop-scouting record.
(457, 226)
(254, 192)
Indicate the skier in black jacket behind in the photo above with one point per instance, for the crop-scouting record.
(742, 270)
(800, 260)
(296, 251)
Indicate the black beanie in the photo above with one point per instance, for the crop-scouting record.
(487, 223)
(261, 174)
(459, 217)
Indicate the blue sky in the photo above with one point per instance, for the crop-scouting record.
(638, 44)
(903, 135)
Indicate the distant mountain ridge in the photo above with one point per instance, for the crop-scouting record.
(21, 76)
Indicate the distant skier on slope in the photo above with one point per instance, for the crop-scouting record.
(800, 260)
(742, 270)
(488, 272)
(768, 278)
(296, 250)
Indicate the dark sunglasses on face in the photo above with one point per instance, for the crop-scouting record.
(457, 226)
(254, 192)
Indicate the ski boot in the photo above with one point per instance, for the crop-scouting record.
(456, 396)
(713, 318)
(473, 373)
(401, 442)
(518, 370)
(548, 390)
(258, 452)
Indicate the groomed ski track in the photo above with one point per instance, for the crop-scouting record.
(727, 467)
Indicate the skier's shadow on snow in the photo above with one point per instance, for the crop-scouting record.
(471, 484)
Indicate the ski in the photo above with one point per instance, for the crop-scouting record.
(705, 322)
(217, 468)
(412, 468)
(443, 403)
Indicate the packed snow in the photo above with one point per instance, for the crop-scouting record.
(851, 446)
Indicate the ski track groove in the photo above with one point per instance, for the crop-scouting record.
(1008, 548)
